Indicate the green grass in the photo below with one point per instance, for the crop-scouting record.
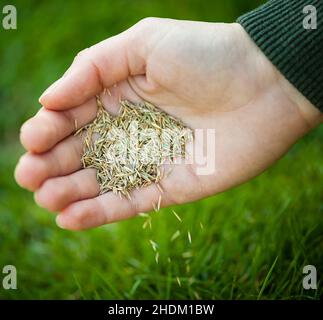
(254, 244)
(256, 238)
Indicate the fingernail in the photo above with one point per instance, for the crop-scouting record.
(49, 90)
(59, 223)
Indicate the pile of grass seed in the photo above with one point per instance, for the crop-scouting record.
(129, 149)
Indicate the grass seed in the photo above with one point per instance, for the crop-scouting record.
(129, 149)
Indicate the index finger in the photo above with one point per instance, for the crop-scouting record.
(95, 68)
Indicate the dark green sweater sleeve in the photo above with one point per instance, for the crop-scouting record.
(286, 33)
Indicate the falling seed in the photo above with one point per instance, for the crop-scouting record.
(191, 280)
(147, 223)
(189, 237)
(147, 219)
(157, 257)
(175, 235)
(187, 254)
(177, 216)
(178, 281)
(154, 245)
(109, 93)
(201, 225)
(197, 296)
(75, 124)
(159, 202)
(159, 188)
(169, 260)
(143, 214)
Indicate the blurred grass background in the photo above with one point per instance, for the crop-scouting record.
(256, 238)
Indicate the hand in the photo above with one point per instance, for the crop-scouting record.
(210, 75)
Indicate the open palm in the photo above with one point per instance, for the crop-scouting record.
(209, 75)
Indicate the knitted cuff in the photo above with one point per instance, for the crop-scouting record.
(290, 33)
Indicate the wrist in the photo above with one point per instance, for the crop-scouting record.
(311, 115)
(270, 75)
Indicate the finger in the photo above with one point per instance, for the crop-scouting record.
(57, 193)
(109, 208)
(65, 158)
(47, 127)
(94, 69)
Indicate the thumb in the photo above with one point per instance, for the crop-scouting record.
(94, 69)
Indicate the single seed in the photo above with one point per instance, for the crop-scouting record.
(159, 188)
(154, 245)
(147, 223)
(159, 202)
(189, 237)
(197, 296)
(175, 235)
(187, 254)
(178, 281)
(143, 214)
(177, 216)
(157, 257)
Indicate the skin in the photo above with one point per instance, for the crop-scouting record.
(208, 74)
